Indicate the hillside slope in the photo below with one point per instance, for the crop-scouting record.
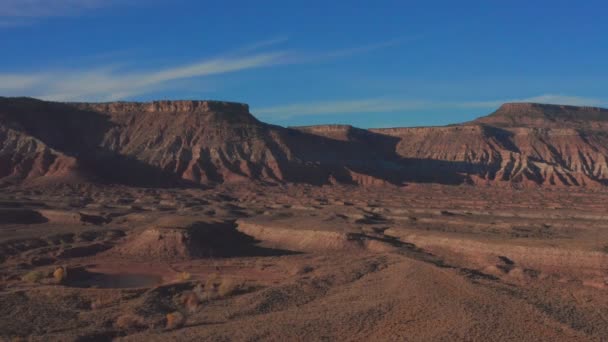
(521, 144)
(191, 143)
(168, 143)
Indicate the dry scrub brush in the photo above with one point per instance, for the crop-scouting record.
(60, 274)
(175, 320)
(191, 302)
(101, 303)
(184, 276)
(130, 322)
(34, 276)
(230, 286)
(212, 282)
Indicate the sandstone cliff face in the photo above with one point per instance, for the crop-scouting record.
(23, 157)
(169, 143)
(198, 141)
(519, 144)
(209, 142)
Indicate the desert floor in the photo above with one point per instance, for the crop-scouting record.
(248, 263)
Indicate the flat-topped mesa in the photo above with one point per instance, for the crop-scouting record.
(167, 106)
(337, 132)
(523, 106)
(324, 128)
(547, 116)
(400, 131)
(167, 143)
(23, 109)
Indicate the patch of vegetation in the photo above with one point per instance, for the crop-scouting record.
(212, 282)
(130, 322)
(61, 239)
(175, 320)
(60, 274)
(229, 287)
(34, 276)
(304, 269)
(191, 301)
(184, 276)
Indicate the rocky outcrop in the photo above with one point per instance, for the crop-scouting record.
(23, 157)
(311, 240)
(189, 143)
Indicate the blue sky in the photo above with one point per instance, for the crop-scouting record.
(367, 63)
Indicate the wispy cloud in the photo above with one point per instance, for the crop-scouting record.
(263, 44)
(12, 22)
(48, 8)
(16, 13)
(17, 82)
(320, 56)
(369, 47)
(107, 84)
(387, 105)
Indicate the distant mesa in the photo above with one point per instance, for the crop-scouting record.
(204, 106)
(547, 116)
(205, 143)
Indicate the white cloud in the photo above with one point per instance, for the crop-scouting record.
(113, 83)
(18, 13)
(18, 82)
(12, 22)
(48, 8)
(384, 105)
(108, 84)
(351, 51)
(366, 48)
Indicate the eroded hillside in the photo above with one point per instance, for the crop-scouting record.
(192, 143)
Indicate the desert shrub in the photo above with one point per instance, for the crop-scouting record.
(198, 290)
(97, 304)
(184, 276)
(191, 302)
(299, 270)
(175, 320)
(129, 322)
(34, 276)
(60, 274)
(212, 282)
(229, 287)
(101, 303)
(262, 264)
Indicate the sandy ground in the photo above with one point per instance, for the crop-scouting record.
(277, 263)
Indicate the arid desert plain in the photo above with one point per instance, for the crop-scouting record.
(194, 221)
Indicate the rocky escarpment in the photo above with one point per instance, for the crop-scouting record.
(168, 143)
(519, 144)
(547, 116)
